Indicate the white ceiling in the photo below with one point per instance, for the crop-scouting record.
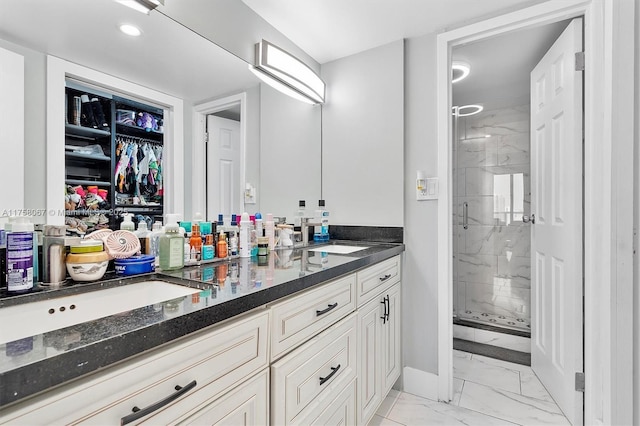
(500, 66)
(166, 57)
(332, 29)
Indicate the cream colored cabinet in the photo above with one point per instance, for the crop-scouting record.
(390, 341)
(378, 336)
(305, 381)
(161, 386)
(247, 404)
(297, 319)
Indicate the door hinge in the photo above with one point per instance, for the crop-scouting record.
(580, 382)
(206, 138)
(579, 61)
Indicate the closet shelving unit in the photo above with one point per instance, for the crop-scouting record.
(98, 169)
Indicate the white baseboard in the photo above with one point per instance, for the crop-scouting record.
(420, 383)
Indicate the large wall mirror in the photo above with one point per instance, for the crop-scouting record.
(281, 154)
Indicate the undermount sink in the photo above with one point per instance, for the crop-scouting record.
(338, 249)
(30, 319)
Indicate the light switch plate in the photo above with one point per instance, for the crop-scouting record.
(427, 189)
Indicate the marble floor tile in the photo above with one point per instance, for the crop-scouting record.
(458, 386)
(508, 341)
(377, 420)
(478, 371)
(461, 354)
(412, 410)
(510, 406)
(464, 333)
(531, 386)
(500, 363)
(388, 402)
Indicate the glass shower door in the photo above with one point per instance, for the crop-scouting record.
(491, 244)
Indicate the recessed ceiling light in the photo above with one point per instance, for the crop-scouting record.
(473, 109)
(459, 71)
(487, 136)
(130, 30)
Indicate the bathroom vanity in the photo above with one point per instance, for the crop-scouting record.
(306, 337)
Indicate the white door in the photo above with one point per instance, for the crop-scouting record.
(556, 236)
(223, 167)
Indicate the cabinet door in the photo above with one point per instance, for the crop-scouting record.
(311, 375)
(370, 358)
(391, 340)
(341, 411)
(246, 405)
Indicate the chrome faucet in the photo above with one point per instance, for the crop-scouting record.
(304, 228)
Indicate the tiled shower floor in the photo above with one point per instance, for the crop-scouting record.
(496, 320)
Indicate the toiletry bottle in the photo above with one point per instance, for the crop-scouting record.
(171, 245)
(127, 223)
(195, 243)
(233, 244)
(321, 233)
(300, 214)
(156, 231)
(259, 225)
(269, 231)
(221, 248)
(207, 248)
(20, 257)
(245, 231)
(144, 235)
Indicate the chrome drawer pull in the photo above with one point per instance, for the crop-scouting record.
(386, 277)
(141, 412)
(334, 370)
(324, 311)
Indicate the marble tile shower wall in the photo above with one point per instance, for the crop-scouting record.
(491, 257)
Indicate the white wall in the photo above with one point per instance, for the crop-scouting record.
(363, 137)
(420, 272)
(232, 25)
(289, 153)
(34, 129)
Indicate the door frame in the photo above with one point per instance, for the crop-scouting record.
(608, 196)
(198, 153)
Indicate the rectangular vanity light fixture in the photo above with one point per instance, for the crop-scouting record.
(287, 73)
(144, 6)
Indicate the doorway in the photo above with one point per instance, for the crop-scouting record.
(221, 188)
(492, 191)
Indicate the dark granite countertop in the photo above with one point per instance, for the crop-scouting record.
(221, 290)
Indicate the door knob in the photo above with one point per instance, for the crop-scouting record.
(527, 219)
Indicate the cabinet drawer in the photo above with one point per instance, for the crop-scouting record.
(372, 280)
(301, 317)
(215, 359)
(247, 404)
(312, 374)
(340, 412)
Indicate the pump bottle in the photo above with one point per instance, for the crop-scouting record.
(171, 245)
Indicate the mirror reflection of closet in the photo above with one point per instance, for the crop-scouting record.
(168, 58)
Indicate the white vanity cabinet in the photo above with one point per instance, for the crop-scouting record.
(175, 383)
(378, 335)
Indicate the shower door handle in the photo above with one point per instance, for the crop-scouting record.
(465, 215)
(527, 219)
